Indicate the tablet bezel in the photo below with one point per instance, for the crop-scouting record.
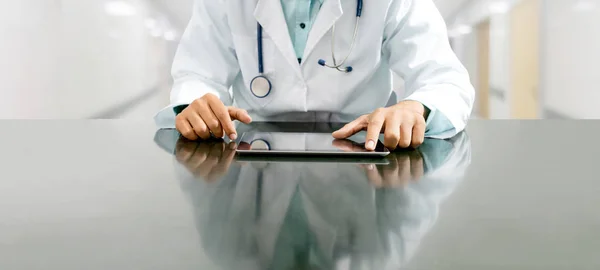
(313, 153)
(298, 128)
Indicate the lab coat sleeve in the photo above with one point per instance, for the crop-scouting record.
(417, 48)
(205, 61)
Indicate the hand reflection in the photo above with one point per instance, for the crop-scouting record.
(348, 145)
(244, 146)
(404, 168)
(209, 160)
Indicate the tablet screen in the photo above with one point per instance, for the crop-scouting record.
(304, 143)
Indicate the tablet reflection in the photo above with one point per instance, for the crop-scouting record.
(316, 215)
(302, 142)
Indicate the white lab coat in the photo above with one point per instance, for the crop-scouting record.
(218, 55)
(386, 224)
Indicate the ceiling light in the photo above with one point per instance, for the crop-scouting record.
(499, 7)
(460, 30)
(464, 29)
(150, 23)
(170, 35)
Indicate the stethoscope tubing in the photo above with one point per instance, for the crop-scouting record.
(260, 48)
(335, 65)
(267, 83)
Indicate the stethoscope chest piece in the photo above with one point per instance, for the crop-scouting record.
(260, 86)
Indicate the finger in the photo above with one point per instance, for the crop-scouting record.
(392, 158)
(240, 115)
(403, 170)
(417, 168)
(203, 148)
(376, 122)
(199, 126)
(206, 167)
(406, 132)
(211, 121)
(212, 161)
(418, 133)
(184, 150)
(232, 146)
(390, 175)
(351, 128)
(392, 131)
(222, 114)
(199, 157)
(185, 128)
(374, 176)
(217, 149)
(244, 146)
(226, 159)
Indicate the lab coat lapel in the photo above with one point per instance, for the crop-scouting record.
(269, 14)
(328, 15)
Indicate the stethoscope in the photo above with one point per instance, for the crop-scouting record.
(261, 86)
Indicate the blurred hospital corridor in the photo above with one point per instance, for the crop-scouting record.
(88, 59)
(273, 152)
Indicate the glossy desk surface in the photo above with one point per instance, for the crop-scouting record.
(105, 195)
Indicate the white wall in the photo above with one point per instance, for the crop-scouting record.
(499, 66)
(28, 53)
(465, 47)
(73, 59)
(571, 54)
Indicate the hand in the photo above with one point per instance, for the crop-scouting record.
(209, 161)
(403, 125)
(208, 115)
(404, 167)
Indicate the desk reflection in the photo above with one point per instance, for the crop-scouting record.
(316, 215)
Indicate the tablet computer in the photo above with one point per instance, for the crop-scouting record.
(354, 160)
(296, 143)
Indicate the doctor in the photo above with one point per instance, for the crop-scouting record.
(304, 60)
